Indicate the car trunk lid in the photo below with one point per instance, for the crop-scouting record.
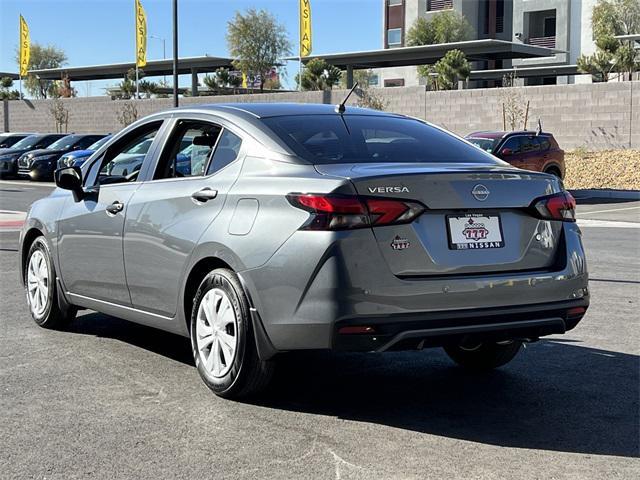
(477, 218)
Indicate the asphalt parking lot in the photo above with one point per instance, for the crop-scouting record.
(111, 399)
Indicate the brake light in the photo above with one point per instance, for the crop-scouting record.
(340, 212)
(560, 206)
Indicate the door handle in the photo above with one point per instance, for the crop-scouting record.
(115, 207)
(204, 195)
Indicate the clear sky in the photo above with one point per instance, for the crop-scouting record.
(101, 31)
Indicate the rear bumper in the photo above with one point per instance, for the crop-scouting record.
(319, 281)
(441, 328)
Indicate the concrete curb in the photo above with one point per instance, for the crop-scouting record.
(606, 193)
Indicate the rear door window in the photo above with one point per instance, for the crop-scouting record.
(514, 144)
(188, 150)
(530, 144)
(327, 139)
(227, 150)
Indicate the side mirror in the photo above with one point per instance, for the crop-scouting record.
(70, 178)
(506, 152)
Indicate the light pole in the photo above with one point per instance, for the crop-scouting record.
(164, 53)
(175, 53)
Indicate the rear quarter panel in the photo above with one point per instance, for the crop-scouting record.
(260, 192)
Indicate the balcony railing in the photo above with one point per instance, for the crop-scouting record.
(435, 5)
(549, 42)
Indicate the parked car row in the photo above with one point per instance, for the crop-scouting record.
(36, 156)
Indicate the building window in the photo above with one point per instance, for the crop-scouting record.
(394, 36)
(435, 5)
(542, 28)
(373, 80)
(550, 27)
(394, 82)
(393, 3)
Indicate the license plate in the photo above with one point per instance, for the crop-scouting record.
(474, 231)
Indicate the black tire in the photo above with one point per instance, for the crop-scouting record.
(53, 315)
(553, 171)
(485, 356)
(247, 374)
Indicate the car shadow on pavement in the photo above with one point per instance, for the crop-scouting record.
(553, 396)
(157, 341)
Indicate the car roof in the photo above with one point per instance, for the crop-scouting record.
(263, 110)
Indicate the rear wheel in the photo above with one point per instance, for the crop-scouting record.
(222, 338)
(483, 356)
(40, 286)
(553, 171)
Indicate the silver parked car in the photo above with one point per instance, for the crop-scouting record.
(309, 227)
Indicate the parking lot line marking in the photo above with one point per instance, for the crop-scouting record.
(27, 183)
(610, 210)
(607, 224)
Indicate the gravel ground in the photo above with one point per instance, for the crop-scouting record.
(617, 169)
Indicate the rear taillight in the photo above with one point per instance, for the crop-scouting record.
(340, 212)
(560, 206)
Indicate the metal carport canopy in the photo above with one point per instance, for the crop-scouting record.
(118, 70)
(488, 49)
(12, 76)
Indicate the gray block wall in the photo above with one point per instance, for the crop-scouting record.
(593, 116)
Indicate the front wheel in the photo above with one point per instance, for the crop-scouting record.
(483, 356)
(40, 286)
(222, 338)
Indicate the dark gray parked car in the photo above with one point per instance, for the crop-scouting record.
(308, 229)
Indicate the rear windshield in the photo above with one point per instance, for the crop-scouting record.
(326, 139)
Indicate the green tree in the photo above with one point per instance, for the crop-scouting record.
(599, 65)
(610, 18)
(257, 42)
(444, 27)
(449, 70)
(148, 87)
(6, 83)
(42, 57)
(319, 75)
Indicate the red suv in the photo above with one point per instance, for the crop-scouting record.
(527, 150)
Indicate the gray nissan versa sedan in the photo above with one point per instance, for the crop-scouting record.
(308, 227)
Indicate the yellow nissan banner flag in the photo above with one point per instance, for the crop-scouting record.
(25, 47)
(141, 35)
(305, 28)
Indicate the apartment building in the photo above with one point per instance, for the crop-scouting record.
(560, 24)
